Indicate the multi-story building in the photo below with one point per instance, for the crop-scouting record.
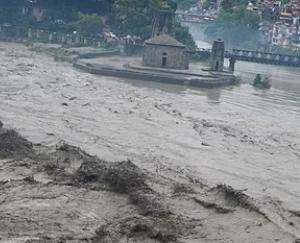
(282, 34)
(285, 31)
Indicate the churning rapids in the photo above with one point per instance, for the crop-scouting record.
(240, 136)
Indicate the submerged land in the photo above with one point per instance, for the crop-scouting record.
(86, 158)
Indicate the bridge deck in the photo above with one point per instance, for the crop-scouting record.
(261, 57)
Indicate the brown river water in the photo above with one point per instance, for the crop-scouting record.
(241, 136)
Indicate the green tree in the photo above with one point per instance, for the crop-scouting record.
(240, 16)
(89, 24)
(183, 35)
(11, 11)
(185, 4)
(207, 4)
(134, 16)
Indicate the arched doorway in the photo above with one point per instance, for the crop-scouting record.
(217, 66)
(164, 59)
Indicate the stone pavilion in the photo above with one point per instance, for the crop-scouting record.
(163, 51)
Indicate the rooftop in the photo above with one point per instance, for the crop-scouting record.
(164, 40)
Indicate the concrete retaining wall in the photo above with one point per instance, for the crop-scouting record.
(131, 74)
(96, 54)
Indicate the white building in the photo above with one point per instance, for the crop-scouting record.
(285, 35)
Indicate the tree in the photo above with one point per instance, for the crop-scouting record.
(134, 16)
(89, 24)
(185, 4)
(10, 11)
(183, 35)
(207, 4)
(240, 16)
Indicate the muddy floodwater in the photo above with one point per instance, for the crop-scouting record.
(239, 136)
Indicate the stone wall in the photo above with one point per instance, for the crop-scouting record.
(12, 33)
(217, 56)
(209, 82)
(175, 57)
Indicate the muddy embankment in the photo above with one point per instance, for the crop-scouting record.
(62, 194)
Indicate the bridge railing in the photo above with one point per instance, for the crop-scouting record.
(260, 57)
(265, 57)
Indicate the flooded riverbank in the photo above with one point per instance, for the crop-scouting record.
(240, 136)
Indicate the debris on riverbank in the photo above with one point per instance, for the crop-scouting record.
(65, 194)
(13, 145)
(261, 83)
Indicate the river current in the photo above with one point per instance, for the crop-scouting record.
(240, 136)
